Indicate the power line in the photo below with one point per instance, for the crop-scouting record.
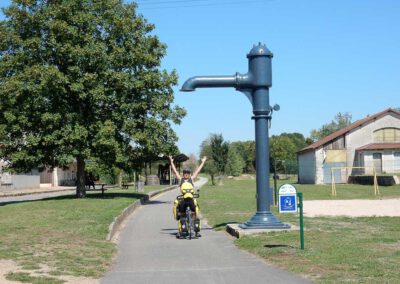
(167, 2)
(197, 5)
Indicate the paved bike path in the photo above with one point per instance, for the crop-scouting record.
(148, 252)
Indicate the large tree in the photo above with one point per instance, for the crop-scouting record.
(81, 80)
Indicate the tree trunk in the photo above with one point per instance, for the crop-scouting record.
(220, 177)
(212, 180)
(120, 177)
(80, 177)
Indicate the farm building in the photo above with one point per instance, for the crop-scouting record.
(366, 146)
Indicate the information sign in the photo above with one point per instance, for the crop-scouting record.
(287, 199)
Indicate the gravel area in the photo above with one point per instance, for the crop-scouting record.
(352, 208)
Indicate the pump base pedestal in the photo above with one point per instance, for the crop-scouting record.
(264, 220)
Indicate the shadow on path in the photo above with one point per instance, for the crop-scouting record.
(156, 202)
(107, 195)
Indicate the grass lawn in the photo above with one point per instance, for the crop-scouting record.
(64, 235)
(356, 250)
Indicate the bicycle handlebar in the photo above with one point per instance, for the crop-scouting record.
(195, 195)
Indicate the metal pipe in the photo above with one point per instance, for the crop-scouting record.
(208, 82)
(237, 81)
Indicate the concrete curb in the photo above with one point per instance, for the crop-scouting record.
(115, 226)
(237, 232)
(2, 194)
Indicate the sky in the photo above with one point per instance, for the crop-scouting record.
(329, 57)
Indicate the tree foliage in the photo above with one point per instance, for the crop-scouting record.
(235, 163)
(216, 149)
(219, 152)
(209, 167)
(340, 121)
(81, 80)
(247, 151)
(283, 150)
(192, 163)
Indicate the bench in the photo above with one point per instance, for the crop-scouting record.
(125, 185)
(103, 187)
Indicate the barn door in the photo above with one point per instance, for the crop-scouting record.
(377, 158)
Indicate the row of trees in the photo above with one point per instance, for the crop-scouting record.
(236, 158)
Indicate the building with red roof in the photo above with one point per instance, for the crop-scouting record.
(371, 144)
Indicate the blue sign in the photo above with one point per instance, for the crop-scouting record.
(287, 204)
(287, 199)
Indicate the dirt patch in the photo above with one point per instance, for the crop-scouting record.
(352, 208)
(79, 280)
(7, 266)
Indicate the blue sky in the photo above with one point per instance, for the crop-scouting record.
(329, 57)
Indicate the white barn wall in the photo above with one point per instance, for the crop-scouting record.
(319, 161)
(387, 161)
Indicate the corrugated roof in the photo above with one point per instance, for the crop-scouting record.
(380, 146)
(347, 129)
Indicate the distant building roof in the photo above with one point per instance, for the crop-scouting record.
(380, 146)
(347, 129)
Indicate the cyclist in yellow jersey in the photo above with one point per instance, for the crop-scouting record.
(187, 190)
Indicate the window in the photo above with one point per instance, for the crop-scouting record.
(387, 135)
(337, 144)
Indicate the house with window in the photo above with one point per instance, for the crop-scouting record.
(367, 146)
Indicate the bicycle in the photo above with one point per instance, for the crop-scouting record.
(188, 225)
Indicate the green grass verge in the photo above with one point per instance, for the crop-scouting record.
(27, 278)
(337, 250)
(65, 234)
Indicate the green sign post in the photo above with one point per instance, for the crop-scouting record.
(288, 203)
(300, 206)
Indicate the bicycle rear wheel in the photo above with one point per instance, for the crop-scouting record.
(189, 222)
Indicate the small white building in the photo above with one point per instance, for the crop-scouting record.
(18, 181)
(366, 146)
(35, 179)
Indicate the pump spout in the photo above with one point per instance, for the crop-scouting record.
(209, 82)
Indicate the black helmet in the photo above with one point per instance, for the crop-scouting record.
(186, 171)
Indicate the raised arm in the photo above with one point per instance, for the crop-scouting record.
(197, 171)
(171, 161)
